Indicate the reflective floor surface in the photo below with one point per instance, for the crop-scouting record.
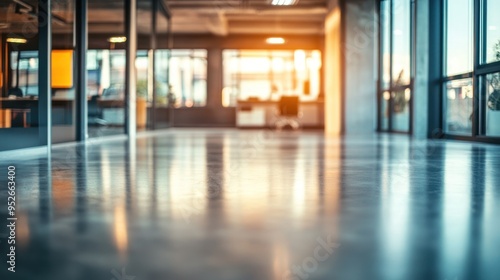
(228, 204)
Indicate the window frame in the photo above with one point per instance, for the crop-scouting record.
(480, 70)
(381, 88)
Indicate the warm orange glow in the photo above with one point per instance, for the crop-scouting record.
(283, 2)
(333, 73)
(119, 39)
(62, 68)
(275, 41)
(62, 192)
(23, 230)
(5, 117)
(16, 40)
(120, 230)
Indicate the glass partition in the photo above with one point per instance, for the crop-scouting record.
(269, 74)
(19, 106)
(106, 84)
(143, 65)
(187, 78)
(63, 86)
(106, 73)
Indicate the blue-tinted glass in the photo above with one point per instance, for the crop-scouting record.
(460, 24)
(401, 41)
(492, 31)
(493, 105)
(459, 107)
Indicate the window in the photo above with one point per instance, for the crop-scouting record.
(395, 66)
(492, 31)
(471, 95)
(385, 11)
(267, 75)
(187, 77)
(458, 97)
(459, 39)
(24, 69)
(106, 73)
(401, 39)
(492, 105)
(459, 105)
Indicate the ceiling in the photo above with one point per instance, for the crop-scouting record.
(222, 17)
(218, 17)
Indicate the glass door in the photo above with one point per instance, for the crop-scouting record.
(395, 68)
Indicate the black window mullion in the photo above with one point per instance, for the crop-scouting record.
(391, 48)
(458, 77)
(380, 65)
(413, 40)
(476, 112)
(488, 68)
(482, 29)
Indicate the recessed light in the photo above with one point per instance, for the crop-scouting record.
(283, 2)
(16, 40)
(275, 40)
(120, 39)
(493, 27)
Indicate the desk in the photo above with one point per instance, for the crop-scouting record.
(263, 113)
(62, 110)
(111, 103)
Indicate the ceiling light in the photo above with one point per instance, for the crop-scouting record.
(493, 27)
(275, 40)
(16, 40)
(283, 2)
(121, 39)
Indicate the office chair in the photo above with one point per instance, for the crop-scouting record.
(17, 92)
(288, 112)
(19, 116)
(95, 112)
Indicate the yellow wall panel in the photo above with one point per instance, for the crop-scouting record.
(62, 68)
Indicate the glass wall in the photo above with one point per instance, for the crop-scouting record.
(106, 73)
(20, 108)
(24, 112)
(162, 79)
(471, 94)
(269, 74)
(396, 62)
(63, 86)
(187, 78)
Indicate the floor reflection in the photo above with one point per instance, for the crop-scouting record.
(229, 204)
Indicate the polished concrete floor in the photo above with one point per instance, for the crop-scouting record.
(228, 204)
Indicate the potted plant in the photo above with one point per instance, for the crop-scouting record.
(142, 103)
(494, 97)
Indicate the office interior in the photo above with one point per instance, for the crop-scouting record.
(244, 131)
